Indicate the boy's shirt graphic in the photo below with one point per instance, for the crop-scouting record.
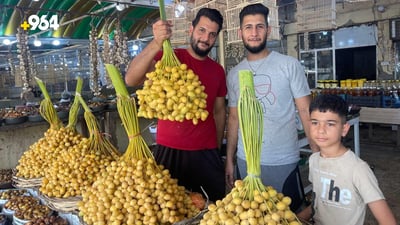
(342, 187)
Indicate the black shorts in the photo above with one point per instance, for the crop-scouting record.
(194, 169)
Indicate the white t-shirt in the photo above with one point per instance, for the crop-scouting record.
(278, 80)
(342, 187)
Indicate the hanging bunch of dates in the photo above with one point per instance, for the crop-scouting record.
(107, 56)
(11, 65)
(120, 47)
(32, 69)
(94, 82)
(125, 56)
(23, 55)
(117, 48)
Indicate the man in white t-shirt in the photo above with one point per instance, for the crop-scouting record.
(280, 86)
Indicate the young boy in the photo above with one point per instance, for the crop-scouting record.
(343, 184)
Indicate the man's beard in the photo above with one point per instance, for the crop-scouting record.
(197, 50)
(255, 49)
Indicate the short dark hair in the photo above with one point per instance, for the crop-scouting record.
(254, 9)
(212, 14)
(332, 103)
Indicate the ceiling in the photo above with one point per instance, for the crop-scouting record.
(76, 18)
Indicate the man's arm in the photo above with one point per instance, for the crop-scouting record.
(144, 61)
(220, 118)
(382, 212)
(303, 105)
(231, 146)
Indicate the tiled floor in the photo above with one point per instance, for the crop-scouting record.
(382, 154)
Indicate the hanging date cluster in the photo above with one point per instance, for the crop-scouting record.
(107, 55)
(11, 65)
(26, 64)
(94, 83)
(120, 47)
(115, 51)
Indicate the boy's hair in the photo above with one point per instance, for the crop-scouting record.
(254, 9)
(332, 103)
(212, 14)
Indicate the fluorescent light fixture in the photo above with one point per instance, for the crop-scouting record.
(55, 42)
(6, 41)
(120, 7)
(179, 9)
(37, 42)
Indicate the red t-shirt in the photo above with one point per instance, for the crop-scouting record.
(185, 135)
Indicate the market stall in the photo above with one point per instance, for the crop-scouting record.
(377, 101)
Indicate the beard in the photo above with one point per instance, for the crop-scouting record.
(201, 52)
(255, 49)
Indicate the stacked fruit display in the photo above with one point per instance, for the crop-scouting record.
(35, 162)
(74, 171)
(136, 192)
(134, 189)
(78, 167)
(38, 158)
(250, 202)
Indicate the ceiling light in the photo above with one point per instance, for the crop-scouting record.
(179, 9)
(120, 7)
(55, 42)
(37, 42)
(6, 41)
(381, 8)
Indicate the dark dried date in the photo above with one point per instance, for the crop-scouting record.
(54, 220)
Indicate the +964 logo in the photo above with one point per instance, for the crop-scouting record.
(41, 23)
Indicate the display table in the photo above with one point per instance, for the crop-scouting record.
(16, 139)
(389, 116)
(353, 121)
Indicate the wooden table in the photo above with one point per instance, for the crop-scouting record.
(389, 116)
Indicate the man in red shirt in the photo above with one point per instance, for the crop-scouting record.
(191, 152)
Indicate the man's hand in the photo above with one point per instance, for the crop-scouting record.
(162, 31)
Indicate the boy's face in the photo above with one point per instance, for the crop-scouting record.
(327, 129)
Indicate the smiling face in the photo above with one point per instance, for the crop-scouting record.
(203, 36)
(254, 32)
(327, 129)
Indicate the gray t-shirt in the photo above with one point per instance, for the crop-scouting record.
(278, 80)
(342, 186)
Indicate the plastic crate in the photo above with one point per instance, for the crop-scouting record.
(313, 15)
(233, 36)
(366, 101)
(220, 5)
(390, 102)
(230, 4)
(233, 21)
